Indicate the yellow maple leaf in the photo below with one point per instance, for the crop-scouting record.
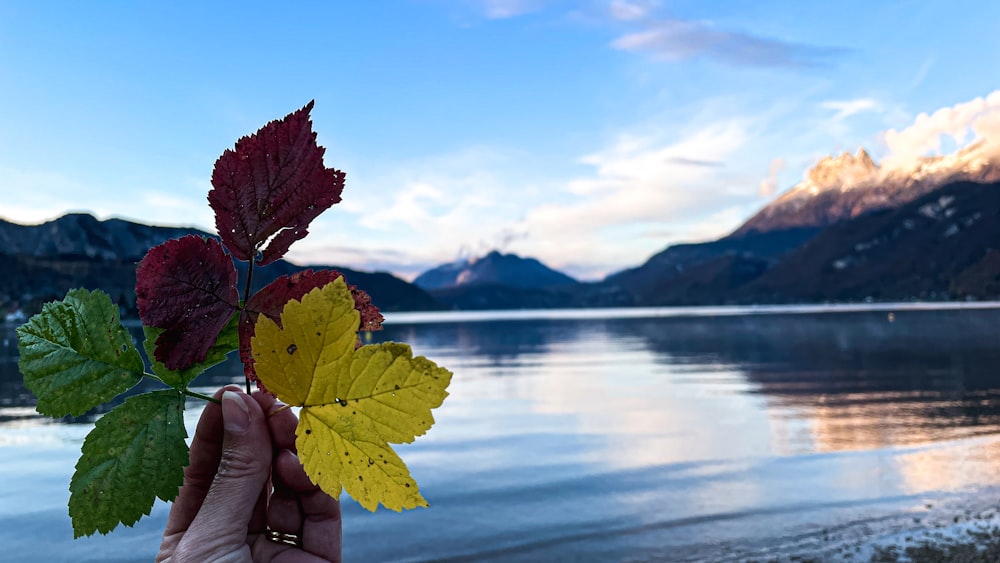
(354, 402)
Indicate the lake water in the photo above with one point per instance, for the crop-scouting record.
(710, 436)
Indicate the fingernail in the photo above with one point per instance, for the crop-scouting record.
(235, 414)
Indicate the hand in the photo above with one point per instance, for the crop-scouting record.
(236, 505)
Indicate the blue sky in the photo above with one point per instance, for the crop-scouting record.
(588, 134)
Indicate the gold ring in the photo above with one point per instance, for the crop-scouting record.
(281, 537)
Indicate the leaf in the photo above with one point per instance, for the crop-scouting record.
(354, 402)
(272, 298)
(187, 287)
(273, 184)
(76, 354)
(134, 454)
(227, 342)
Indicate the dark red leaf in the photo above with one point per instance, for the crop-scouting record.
(271, 299)
(187, 287)
(371, 318)
(269, 188)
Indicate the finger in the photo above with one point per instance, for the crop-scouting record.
(321, 522)
(258, 520)
(281, 421)
(206, 450)
(283, 511)
(243, 472)
(271, 407)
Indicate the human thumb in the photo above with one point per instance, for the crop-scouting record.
(243, 471)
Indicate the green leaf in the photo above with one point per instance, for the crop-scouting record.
(228, 341)
(76, 354)
(134, 454)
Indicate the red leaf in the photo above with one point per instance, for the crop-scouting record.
(271, 299)
(187, 287)
(271, 186)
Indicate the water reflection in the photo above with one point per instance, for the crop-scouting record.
(862, 380)
(829, 382)
(598, 437)
(766, 422)
(835, 381)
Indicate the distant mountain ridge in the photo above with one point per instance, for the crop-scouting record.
(83, 235)
(495, 268)
(852, 230)
(847, 186)
(942, 245)
(705, 273)
(835, 197)
(42, 262)
(508, 281)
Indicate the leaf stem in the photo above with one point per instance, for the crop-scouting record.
(152, 376)
(187, 392)
(246, 299)
(198, 395)
(284, 408)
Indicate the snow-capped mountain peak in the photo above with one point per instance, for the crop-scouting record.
(845, 186)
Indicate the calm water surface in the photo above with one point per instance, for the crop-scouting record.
(705, 438)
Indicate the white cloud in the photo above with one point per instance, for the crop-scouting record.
(638, 185)
(975, 120)
(32, 197)
(923, 72)
(676, 40)
(769, 185)
(953, 143)
(640, 178)
(438, 208)
(502, 9)
(170, 209)
(35, 197)
(847, 108)
(431, 209)
(628, 10)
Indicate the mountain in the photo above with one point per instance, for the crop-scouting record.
(508, 281)
(834, 195)
(944, 245)
(495, 268)
(82, 235)
(852, 230)
(42, 262)
(847, 186)
(685, 274)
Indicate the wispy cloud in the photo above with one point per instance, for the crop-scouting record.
(647, 30)
(435, 208)
(366, 258)
(678, 40)
(638, 186)
(32, 196)
(628, 10)
(769, 185)
(590, 223)
(847, 108)
(922, 72)
(685, 161)
(503, 9)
